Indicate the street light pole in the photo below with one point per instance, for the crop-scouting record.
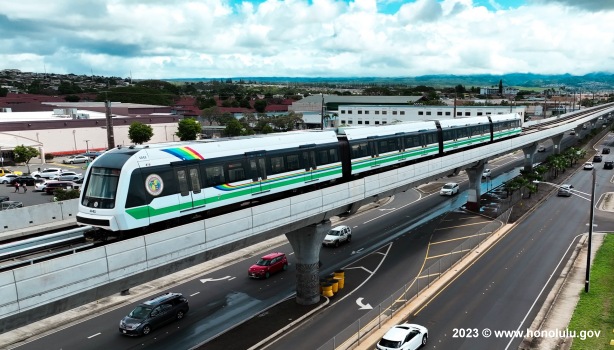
(590, 236)
(87, 147)
(322, 117)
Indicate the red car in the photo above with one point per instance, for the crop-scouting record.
(268, 265)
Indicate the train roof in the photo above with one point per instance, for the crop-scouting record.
(361, 132)
(504, 117)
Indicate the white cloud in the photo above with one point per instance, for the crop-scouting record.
(216, 38)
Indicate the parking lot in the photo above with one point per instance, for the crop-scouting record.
(31, 197)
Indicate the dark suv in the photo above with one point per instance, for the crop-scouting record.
(154, 313)
(608, 165)
(597, 159)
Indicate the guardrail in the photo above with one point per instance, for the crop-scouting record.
(31, 250)
(352, 335)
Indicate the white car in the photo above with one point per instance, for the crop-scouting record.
(7, 178)
(48, 173)
(449, 189)
(338, 235)
(76, 159)
(486, 173)
(588, 166)
(406, 336)
(41, 185)
(68, 176)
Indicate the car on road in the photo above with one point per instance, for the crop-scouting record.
(486, 173)
(7, 178)
(337, 236)
(449, 189)
(605, 150)
(597, 159)
(68, 176)
(28, 180)
(154, 313)
(268, 265)
(541, 148)
(588, 166)
(608, 164)
(47, 173)
(6, 205)
(406, 336)
(565, 190)
(41, 185)
(76, 159)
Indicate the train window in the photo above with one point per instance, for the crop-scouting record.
(462, 132)
(235, 172)
(322, 157)
(277, 165)
(195, 180)
(215, 175)
(360, 150)
(431, 138)
(183, 182)
(448, 135)
(333, 157)
(292, 162)
(388, 145)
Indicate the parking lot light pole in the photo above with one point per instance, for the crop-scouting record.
(87, 147)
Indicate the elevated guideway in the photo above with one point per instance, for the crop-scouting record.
(52, 286)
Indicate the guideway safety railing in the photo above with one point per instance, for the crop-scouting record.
(374, 319)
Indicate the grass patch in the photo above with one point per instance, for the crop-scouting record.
(595, 310)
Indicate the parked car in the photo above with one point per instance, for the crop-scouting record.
(6, 205)
(4, 172)
(47, 173)
(486, 173)
(608, 165)
(41, 185)
(605, 150)
(154, 313)
(338, 235)
(406, 336)
(68, 176)
(597, 159)
(65, 185)
(76, 159)
(541, 148)
(28, 180)
(92, 155)
(268, 265)
(7, 178)
(449, 189)
(565, 190)
(588, 166)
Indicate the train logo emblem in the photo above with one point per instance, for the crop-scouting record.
(154, 184)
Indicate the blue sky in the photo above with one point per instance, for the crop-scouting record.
(300, 38)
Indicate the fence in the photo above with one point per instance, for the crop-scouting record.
(375, 318)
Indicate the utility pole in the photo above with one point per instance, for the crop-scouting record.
(322, 119)
(110, 137)
(590, 236)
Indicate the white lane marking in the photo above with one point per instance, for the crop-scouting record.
(194, 294)
(92, 336)
(214, 279)
(540, 292)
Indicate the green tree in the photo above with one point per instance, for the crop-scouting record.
(61, 194)
(234, 128)
(260, 105)
(500, 86)
(188, 129)
(140, 133)
(4, 92)
(23, 154)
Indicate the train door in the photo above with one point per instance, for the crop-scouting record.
(257, 168)
(308, 155)
(374, 151)
(191, 194)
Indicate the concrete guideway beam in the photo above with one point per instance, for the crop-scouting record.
(307, 242)
(475, 185)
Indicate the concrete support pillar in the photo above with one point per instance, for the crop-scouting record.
(307, 242)
(556, 141)
(475, 185)
(529, 156)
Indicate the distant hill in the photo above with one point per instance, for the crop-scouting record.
(593, 81)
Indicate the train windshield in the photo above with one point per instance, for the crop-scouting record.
(101, 188)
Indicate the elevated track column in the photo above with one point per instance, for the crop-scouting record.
(307, 242)
(556, 141)
(475, 185)
(529, 156)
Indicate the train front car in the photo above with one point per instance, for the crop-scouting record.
(159, 184)
(374, 147)
(505, 125)
(461, 133)
(103, 195)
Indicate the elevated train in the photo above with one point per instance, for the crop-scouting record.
(160, 185)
